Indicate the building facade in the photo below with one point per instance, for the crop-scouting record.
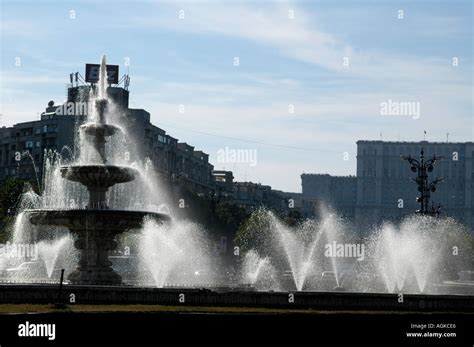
(22, 149)
(223, 183)
(336, 192)
(383, 188)
(251, 195)
(23, 145)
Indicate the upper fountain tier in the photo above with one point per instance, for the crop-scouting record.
(98, 176)
(100, 130)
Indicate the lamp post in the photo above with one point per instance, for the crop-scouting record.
(425, 187)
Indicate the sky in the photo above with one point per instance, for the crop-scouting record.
(292, 84)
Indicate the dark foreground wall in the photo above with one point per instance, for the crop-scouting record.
(41, 294)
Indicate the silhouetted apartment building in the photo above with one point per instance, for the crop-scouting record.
(223, 183)
(23, 144)
(251, 195)
(193, 168)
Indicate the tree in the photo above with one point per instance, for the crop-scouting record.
(230, 215)
(10, 195)
(254, 231)
(293, 218)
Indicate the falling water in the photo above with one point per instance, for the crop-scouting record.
(49, 251)
(297, 251)
(259, 272)
(35, 169)
(177, 253)
(407, 257)
(409, 254)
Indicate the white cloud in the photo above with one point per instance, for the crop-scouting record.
(299, 39)
(21, 29)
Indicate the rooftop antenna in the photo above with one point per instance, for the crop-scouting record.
(424, 135)
(447, 137)
(126, 82)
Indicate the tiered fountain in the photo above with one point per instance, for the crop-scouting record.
(96, 226)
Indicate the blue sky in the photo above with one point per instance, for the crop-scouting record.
(283, 61)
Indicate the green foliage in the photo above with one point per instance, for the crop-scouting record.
(253, 230)
(229, 214)
(293, 218)
(10, 193)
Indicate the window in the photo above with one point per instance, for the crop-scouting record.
(161, 138)
(38, 144)
(45, 128)
(29, 144)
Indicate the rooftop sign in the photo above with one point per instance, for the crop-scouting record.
(92, 73)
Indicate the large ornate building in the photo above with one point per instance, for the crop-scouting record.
(383, 188)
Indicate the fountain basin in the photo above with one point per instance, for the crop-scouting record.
(115, 221)
(95, 232)
(98, 176)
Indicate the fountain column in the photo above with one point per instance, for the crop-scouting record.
(94, 266)
(94, 242)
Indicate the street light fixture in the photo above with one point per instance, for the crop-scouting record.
(425, 187)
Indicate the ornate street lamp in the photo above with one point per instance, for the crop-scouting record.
(425, 187)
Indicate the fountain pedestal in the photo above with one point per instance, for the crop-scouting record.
(94, 265)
